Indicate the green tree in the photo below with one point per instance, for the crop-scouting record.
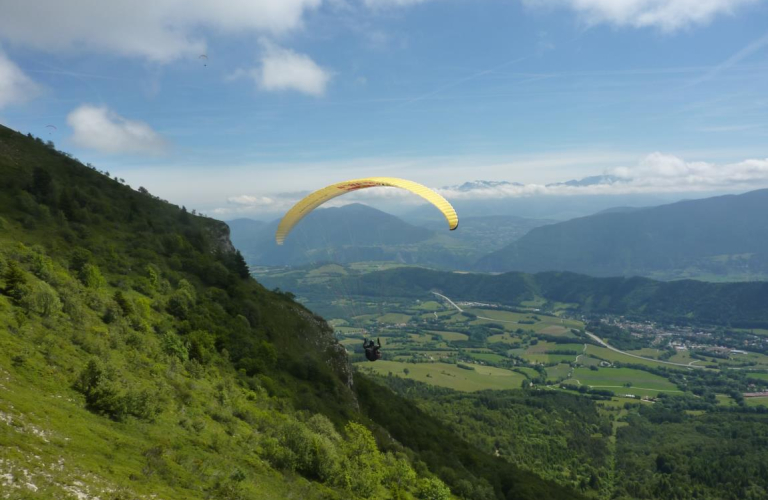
(363, 471)
(175, 346)
(179, 305)
(433, 489)
(42, 267)
(153, 274)
(102, 394)
(42, 185)
(14, 281)
(39, 297)
(125, 306)
(398, 474)
(201, 346)
(80, 257)
(90, 276)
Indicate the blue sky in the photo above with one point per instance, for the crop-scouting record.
(671, 95)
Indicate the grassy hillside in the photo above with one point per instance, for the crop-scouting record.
(139, 360)
(714, 238)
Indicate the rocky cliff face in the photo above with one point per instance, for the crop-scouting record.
(322, 339)
(219, 234)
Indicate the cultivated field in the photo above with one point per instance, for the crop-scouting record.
(446, 375)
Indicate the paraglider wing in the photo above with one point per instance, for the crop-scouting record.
(51, 126)
(314, 200)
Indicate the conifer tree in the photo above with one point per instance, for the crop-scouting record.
(14, 281)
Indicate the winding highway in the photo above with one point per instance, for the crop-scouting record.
(591, 335)
(478, 317)
(605, 344)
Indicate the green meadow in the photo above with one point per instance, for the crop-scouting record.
(448, 375)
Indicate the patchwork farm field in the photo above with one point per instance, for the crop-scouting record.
(617, 378)
(477, 378)
(470, 346)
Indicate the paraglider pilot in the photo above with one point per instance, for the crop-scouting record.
(372, 350)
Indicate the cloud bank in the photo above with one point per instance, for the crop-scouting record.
(666, 15)
(99, 128)
(656, 173)
(158, 30)
(15, 86)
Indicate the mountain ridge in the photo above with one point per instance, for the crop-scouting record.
(715, 234)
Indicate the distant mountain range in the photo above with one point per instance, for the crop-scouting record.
(350, 233)
(591, 181)
(724, 236)
(491, 232)
(475, 185)
(559, 208)
(586, 181)
(357, 233)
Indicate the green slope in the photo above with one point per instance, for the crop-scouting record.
(139, 360)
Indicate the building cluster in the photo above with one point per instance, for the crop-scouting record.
(763, 394)
(705, 340)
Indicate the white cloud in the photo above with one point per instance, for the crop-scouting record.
(667, 15)
(251, 201)
(656, 173)
(283, 69)
(99, 128)
(660, 171)
(159, 30)
(258, 204)
(15, 86)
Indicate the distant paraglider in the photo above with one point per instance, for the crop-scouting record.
(314, 200)
(205, 57)
(49, 127)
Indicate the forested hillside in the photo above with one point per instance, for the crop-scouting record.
(715, 238)
(666, 450)
(735, 304)
(138, 359)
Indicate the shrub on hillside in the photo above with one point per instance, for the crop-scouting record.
(433, 489)
(108, 394)
(90, 276)
(362, 470)
(40, 298)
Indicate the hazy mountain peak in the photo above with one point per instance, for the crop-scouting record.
(592, 180)
(480, 184)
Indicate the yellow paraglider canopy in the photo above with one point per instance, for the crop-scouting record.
(314, 200)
